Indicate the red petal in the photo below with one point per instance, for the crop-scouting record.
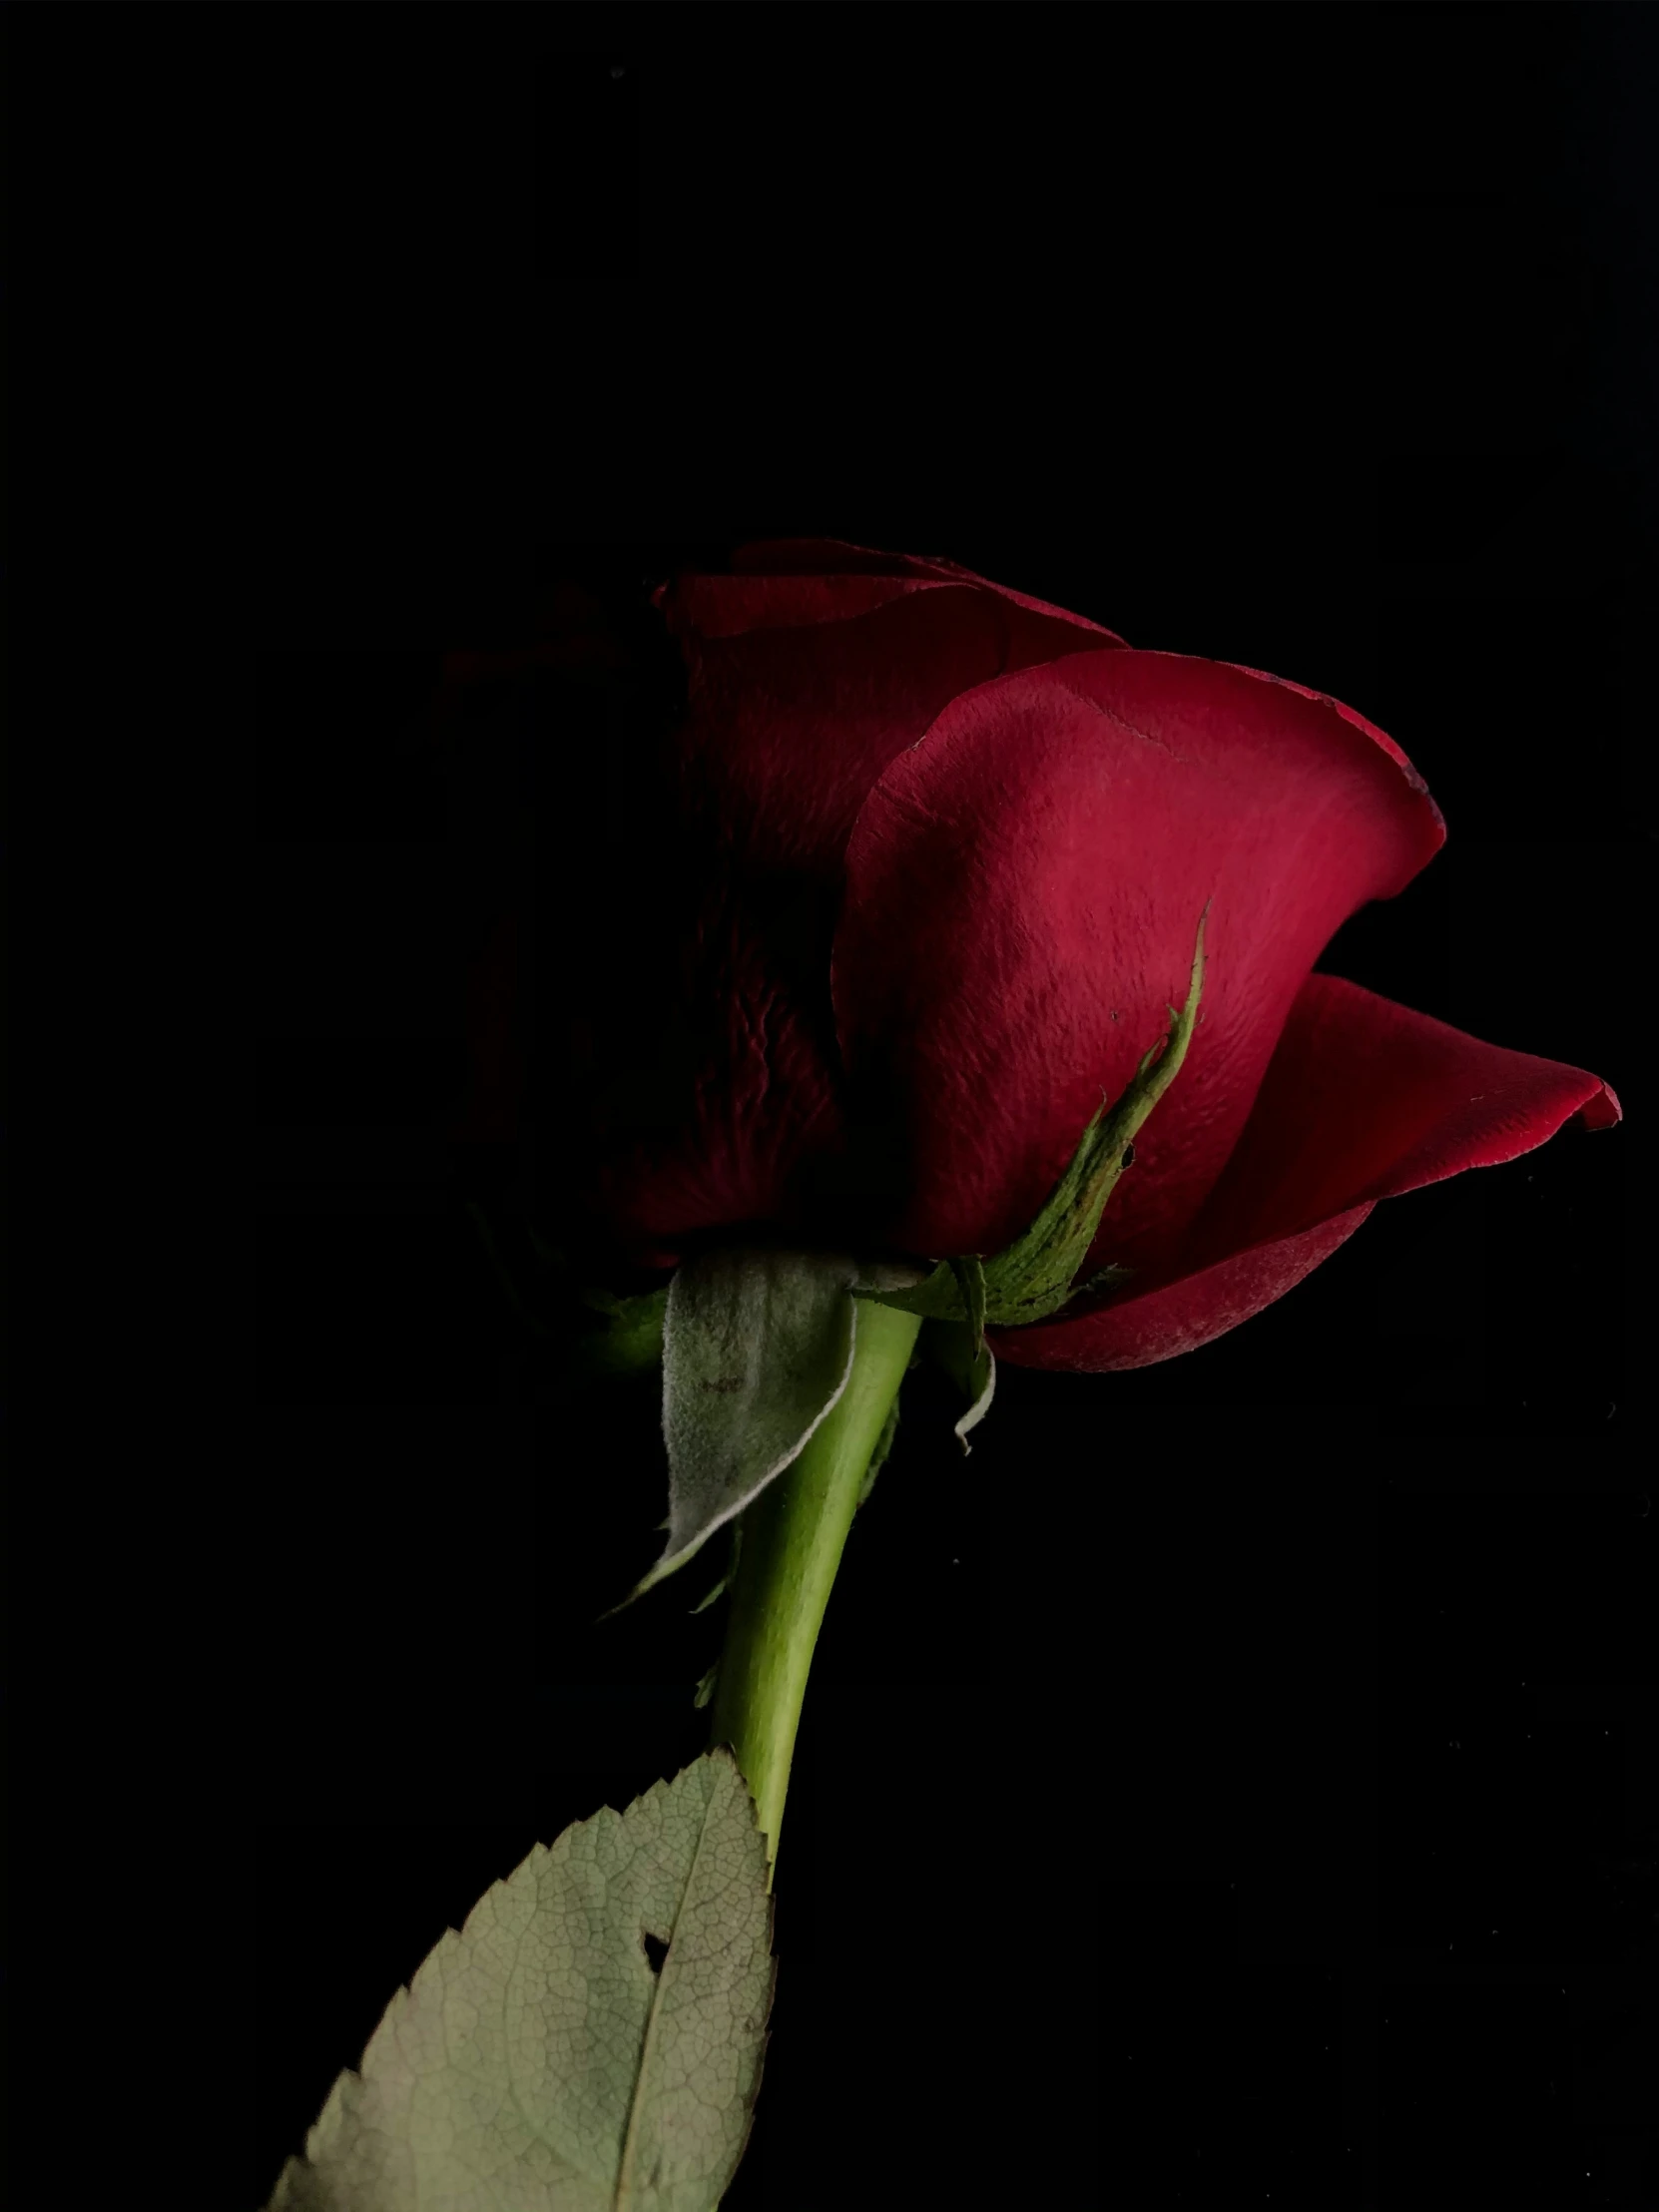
(1022, 891)
(804, 678)
(779, 583)
(1364, 1099)
(804, 683)
(1182, 1316)
(1377, 737)
(842, 577)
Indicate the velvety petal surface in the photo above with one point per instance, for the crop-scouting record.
(1363, 1100)
(1022, 891)
(778, 581)
(807, 672)
(1183, 1314)
(811, 667)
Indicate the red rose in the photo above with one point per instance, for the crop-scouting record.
(906, 890)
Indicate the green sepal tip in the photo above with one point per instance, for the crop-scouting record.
(1036, 1274)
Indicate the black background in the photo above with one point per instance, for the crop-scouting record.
(1200, 1788)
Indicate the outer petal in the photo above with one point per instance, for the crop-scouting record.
(1364, 1100)
(1183, 1314)
(806, 678)
(1022, 891)
(777, 583)
(702, 1081)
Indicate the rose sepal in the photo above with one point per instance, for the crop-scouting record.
(1037, 1273)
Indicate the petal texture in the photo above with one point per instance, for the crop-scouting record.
(1022, 891)
(1364, 1100)
(807, 672)
(777, 583)
(1182, 1314)
(805, 681)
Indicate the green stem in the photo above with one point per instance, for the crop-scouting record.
(793, 1537)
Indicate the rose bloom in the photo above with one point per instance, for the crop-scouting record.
(894, 890)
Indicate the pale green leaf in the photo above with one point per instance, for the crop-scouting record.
(539, 2062)
(756, 1351)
